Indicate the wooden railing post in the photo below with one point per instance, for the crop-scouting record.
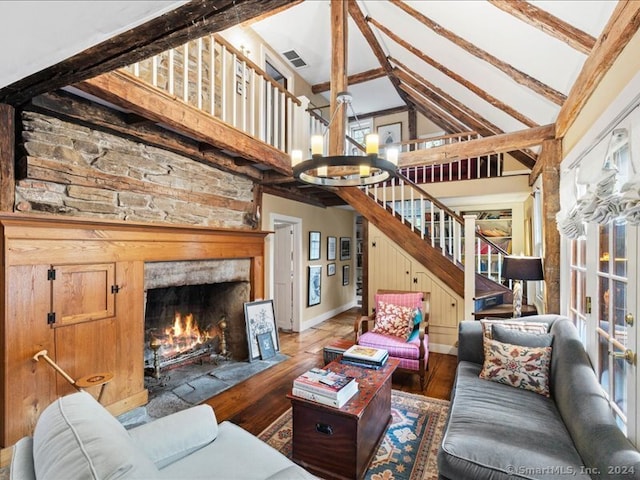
(469, 265)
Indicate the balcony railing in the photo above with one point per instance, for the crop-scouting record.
(213, 76)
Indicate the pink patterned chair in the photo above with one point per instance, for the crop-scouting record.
(395, 326)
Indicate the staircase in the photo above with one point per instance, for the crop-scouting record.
(435, 236)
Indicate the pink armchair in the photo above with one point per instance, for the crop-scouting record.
(396, 327)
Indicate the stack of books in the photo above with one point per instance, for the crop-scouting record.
(367, 357)
(326, 387)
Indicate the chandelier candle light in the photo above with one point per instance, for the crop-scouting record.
(344, 170)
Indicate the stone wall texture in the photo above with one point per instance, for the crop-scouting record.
(70, 169)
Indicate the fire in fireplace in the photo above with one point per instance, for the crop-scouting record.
(181, 342)
(195, 309)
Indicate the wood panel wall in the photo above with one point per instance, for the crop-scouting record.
(32, 244)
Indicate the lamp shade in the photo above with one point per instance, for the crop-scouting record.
(522, 268)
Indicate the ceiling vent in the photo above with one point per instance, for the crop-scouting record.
(294, 58)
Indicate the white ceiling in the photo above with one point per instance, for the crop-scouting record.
(524, 47)
(37, 34)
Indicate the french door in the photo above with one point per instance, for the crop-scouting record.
(616, 318)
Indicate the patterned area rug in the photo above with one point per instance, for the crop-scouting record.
(409, 448)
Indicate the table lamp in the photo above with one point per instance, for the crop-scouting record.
(519, 269)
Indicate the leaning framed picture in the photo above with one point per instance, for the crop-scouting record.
(314, 245)
(331, 248)
(331, 269)
(345, 248)
(345, 274)
(260, 318)
(314, 285)
(265, 345)
(390, 133)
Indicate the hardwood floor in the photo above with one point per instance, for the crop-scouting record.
(255, 403)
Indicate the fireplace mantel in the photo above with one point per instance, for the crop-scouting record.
(89, 254)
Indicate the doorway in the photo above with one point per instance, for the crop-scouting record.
(286, 272)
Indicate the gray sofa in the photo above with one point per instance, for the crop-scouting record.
(497, 431)
(76, 438)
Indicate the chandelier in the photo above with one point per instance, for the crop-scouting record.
(344, 170)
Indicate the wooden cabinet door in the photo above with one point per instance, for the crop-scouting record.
(87, 348)
(81, 293)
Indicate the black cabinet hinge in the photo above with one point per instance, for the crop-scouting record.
(51, 318)
(51, 274)
(115, 288)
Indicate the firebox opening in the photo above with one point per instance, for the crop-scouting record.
(184, 322)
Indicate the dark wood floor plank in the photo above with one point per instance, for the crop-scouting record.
(255, 403)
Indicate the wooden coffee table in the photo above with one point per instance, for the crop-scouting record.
(341, 442)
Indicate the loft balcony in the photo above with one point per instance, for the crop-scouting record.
(226, 103)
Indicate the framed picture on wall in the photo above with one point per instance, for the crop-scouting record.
(390, 133)
(331, 248)
(345, 248)
(314, 245)
(331, 269)
(259, 318)
(345, 274)
(314, 285)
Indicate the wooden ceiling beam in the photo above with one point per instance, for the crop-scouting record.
(295, 195)
(352, 79)
(381, 113)
(465, 115)
(445, 101)
(621, 27)
(487, 97)
(339, 59)
(187, 22)
(549, 24)
(501, 143)
(516, 75)
(433, 113)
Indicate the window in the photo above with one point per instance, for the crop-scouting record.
(358, 131)
(577, 288)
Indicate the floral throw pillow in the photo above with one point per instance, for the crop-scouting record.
(394, 320)
(517, 366)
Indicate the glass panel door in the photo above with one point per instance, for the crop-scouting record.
(616, 367)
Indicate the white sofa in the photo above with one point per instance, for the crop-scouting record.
(76, 438)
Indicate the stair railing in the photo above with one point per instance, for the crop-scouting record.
(442, 227)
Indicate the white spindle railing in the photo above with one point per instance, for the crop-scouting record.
(441, 227)
(213, 76)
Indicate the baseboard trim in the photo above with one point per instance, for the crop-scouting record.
(327, 315)
(443, 348)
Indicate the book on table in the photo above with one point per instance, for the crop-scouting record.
(365, 356)
(364, 363)
(324, 382)
(343, 396)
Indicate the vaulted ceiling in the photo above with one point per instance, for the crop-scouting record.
(494, 66)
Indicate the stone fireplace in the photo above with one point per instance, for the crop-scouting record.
(185, 305)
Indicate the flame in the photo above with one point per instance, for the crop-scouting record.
(184, 335)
